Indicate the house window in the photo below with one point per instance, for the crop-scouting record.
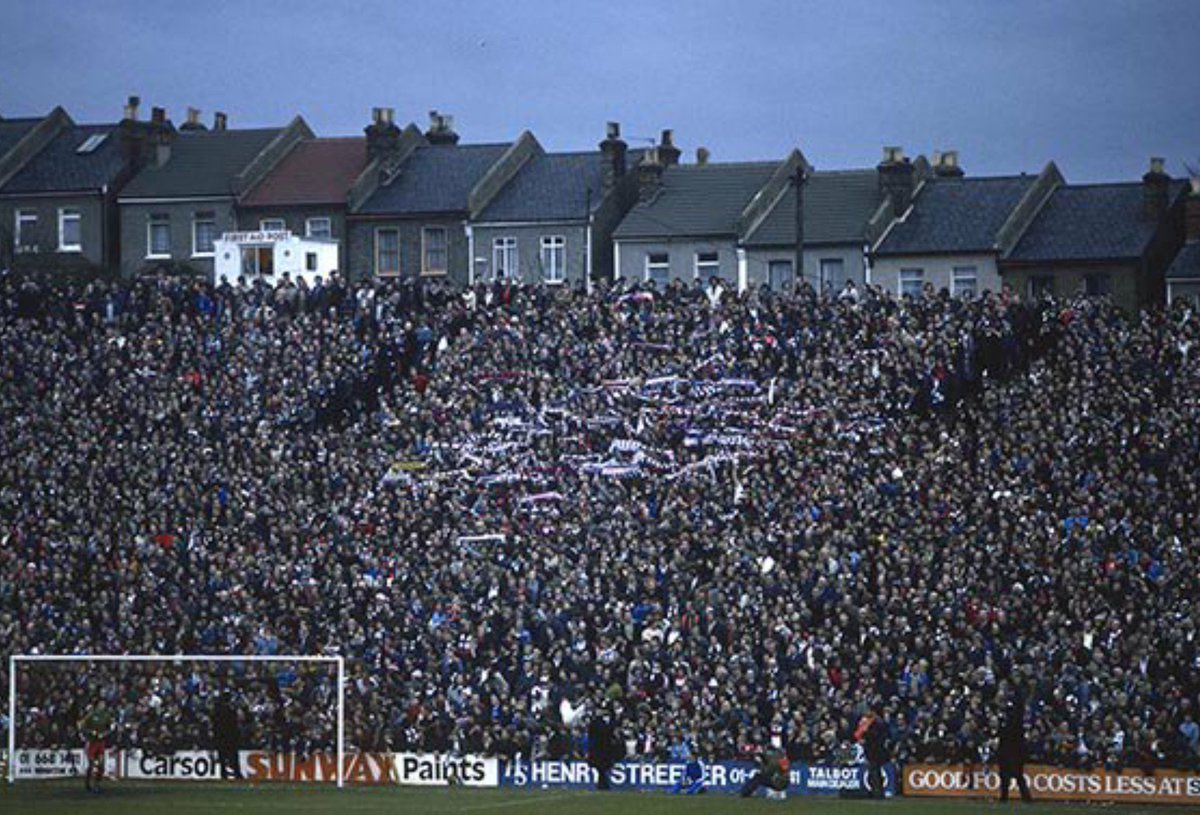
(708, 264)
(779, 275)
(554, 258)
(272, 225)
(387, 252)
(1098, 284)
(658, 268)
(158, 237)
(1041, 286)
(505, 265)
(25, 234)
(911, 282)
(310, 261)
(70, 232)
(318, 228)
(964, 282)
(433, 250)
(204, 234)
(833, 275)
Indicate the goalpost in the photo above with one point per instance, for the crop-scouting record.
(15, 660)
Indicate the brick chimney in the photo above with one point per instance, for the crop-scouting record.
(945, 165)
(383, 137)
(896, 179)
(160, 136)
(1156, 186)
(193, 120)
(668, 153)
(702, 156)
(649, 175)
(612, 153)
(1191, 211)
(441, 129)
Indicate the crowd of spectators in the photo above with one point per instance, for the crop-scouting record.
(735, 520)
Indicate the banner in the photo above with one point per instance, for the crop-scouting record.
(1057, 784)
(437, 769)
(203, 765)
(719, 776)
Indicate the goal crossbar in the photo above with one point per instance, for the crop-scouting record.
(338, 661)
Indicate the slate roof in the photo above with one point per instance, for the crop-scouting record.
(436, 178)
(697, 200)
(316, 171)
(1186, 265)
(13, 130)
(956, 215)
(550, 187)
(59, 167)
(1089, 222)
(837, 206)
(202, 162)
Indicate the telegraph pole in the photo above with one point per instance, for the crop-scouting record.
(799, 179)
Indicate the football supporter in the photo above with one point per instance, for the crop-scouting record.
(744, 515)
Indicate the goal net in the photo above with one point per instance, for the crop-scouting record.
(189, 717)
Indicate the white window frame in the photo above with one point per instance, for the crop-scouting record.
(308, 227)
(64, 214)
(920, 276)
(960, 272)
(196, 221)
(266, 225)
(21, 217)
(652, 264)
(151, 222)
(554, 258)
(426, 271)
(501, 249)
(705, 269)
(379, 270)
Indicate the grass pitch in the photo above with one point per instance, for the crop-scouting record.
(183, 798)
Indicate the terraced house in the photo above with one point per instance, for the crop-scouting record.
(737, 222)
(1034, 235)
(59, 187)
(305, 193)
(408, 212)
(181, 202)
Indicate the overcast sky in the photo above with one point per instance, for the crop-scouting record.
(1097, 86)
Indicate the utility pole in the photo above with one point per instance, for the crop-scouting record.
(799, 178)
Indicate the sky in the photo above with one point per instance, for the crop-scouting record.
(1097, 86)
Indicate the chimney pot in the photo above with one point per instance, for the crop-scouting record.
(193, 116)
(131, 108)
(702, 155)
(666, 153)
(1157, 163)
(613, 131)
(220, 120)
(893, 154)
(158, 115)
(376, 114)
(441, 129)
